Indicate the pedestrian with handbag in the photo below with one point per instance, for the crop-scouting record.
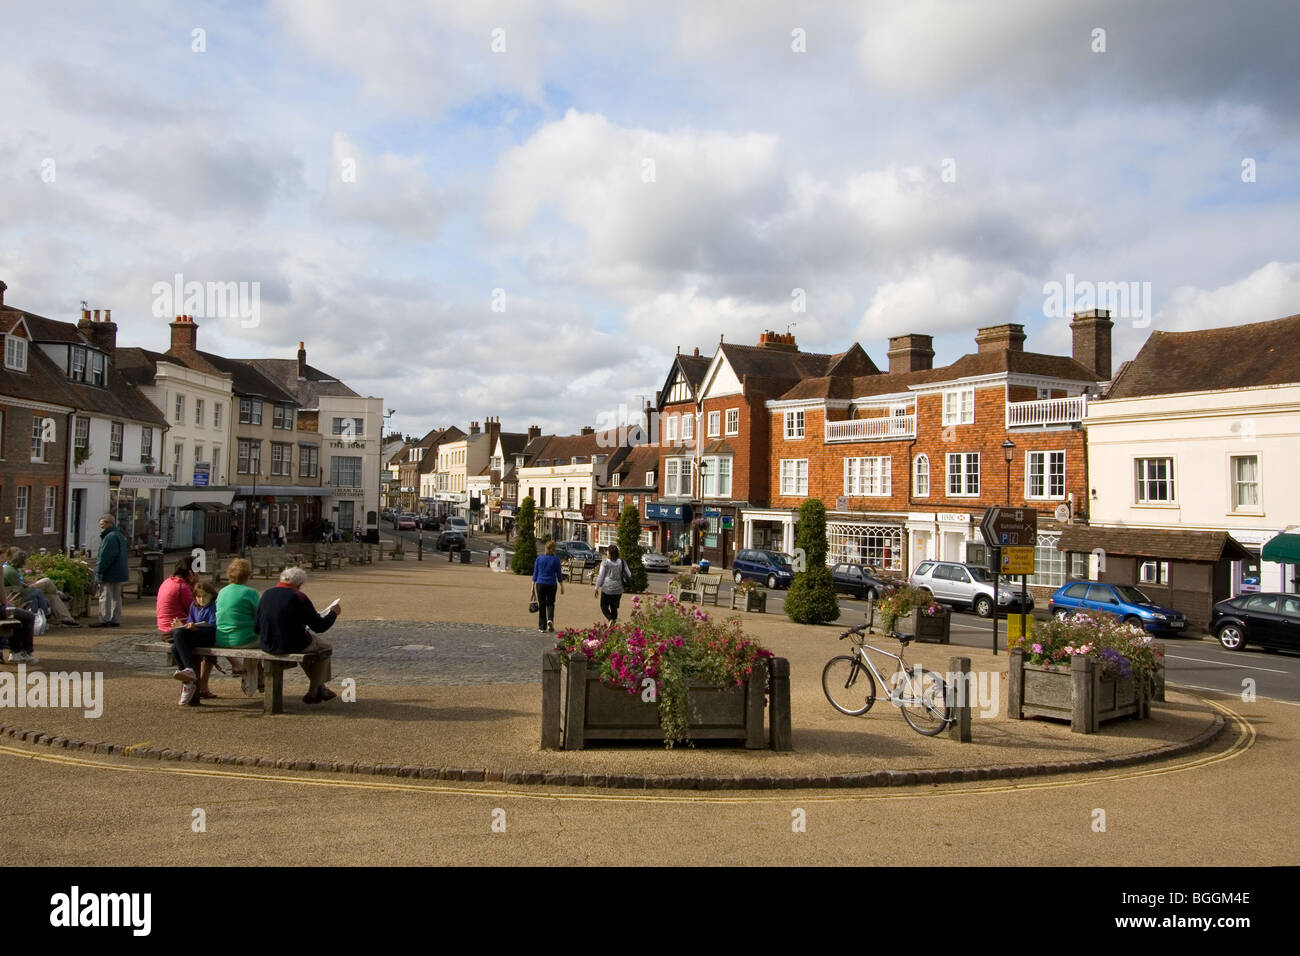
(547, 578)
(610, 582)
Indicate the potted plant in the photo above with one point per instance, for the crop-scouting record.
(70, 575)
(1083, 669)
(682, 581)
(913, 610)
(751, 594)
(669, 671)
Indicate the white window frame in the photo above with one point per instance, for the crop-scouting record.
(51, 507)
(1235, 485)
(688, 427)
(1045, 461)
(1153, 571)
(715, 424)
(649, 479)
(22, 501)
(146, 442)
(81, 434)
(1049, 563)
(864, 544)
(98, 368)
(959, 406)
(78, 361)
(180, 410)
(868, 476)
(38, 439)
(178, 456)
(1142, 481)
(964, 473)
(795, 423)
(711, 483)
(216, 414)
(794, 477)
(15, 353)
(116, 440)
(670, 428)
(918, 473)
(733, 421)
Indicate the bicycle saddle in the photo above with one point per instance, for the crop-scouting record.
(903, 639)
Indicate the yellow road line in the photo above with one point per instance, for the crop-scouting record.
(1246, 737)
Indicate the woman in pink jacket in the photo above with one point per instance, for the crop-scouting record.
(175, 596)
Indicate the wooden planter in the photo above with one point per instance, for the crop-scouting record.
(577, 707)
(755, 601)
(929, 629)
(79, 603)
(1078, 693)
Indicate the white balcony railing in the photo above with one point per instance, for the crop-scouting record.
(872, 429)
(1047, 411)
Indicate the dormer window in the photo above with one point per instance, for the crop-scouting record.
(15, 353)
(614, 480)
(77, 364)
(98, 365)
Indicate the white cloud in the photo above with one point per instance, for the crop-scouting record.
(945, 293)
(1270, 292)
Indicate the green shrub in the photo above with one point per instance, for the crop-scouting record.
(68, 574)
(811, 598)
(629, 548)
(525, 545)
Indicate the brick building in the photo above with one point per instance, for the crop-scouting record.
(633, 480)
(908, 460)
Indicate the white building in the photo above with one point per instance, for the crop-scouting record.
(562, 477)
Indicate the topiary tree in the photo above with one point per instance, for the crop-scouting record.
(811, 598)
(629, 548)
(525, 545)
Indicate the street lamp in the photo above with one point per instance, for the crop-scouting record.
(699, 532)
(1008, 451)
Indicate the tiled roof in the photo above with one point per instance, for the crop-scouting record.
(42, 382)
(1238, 356)
(564, 448)
(1172, 544)
(245, 379)
(284, 372)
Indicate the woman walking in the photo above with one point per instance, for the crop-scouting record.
(546, 578)
(610, 582)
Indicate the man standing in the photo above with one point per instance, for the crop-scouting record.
(112, 571)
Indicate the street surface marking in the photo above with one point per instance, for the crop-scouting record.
(1246, 737)
(1232, 693)
(1202, 660)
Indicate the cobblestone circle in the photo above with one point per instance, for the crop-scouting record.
(401, 652)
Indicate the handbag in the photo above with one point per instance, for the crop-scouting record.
(533, 606)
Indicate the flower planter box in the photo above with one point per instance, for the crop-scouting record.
(755, 601)
(929, 628)
(1078, 693)
(79, 604)
(577, 707)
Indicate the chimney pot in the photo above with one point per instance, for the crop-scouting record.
(96, 319)
(302, 361)
(184, 335)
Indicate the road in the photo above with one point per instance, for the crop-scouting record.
(1195, 661)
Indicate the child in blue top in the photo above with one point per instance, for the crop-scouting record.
(199, 630)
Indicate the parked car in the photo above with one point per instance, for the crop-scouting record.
(1123, 601)
(567, 550)
(652, 560)
(458, 524)
(859, 581)
(430, 522)
(771, 567)
(966, 586)
(406, 522)
(1265, 619)
(451, 541)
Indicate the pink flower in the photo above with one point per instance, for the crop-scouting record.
(1038, 648)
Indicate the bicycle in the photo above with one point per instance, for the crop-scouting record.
(921, 695)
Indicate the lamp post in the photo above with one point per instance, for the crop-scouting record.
(699, 532)
(1008, 452)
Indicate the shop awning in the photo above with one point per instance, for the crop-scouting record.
(1168, 544)
(1284, 549)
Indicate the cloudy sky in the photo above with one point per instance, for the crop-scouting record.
(523, 208)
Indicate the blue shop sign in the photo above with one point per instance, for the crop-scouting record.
(654, 511)
(713, 512)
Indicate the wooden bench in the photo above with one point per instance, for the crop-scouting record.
(685, 590)
(135, 582)
(274, 666)
(707, 585)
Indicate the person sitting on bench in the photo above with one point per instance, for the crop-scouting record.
(22, 643)
(287, 623)
(198, 630)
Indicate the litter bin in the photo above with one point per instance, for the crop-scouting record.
(464, 555)
(704, 567)
(152, 563)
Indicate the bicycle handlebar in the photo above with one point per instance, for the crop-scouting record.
(854, 630)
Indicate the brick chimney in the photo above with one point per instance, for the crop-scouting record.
(1092, 341)
(534, 432)
(777, 341)
(3, 286)
(493, 430)
(1001, 338)
(302, 361)
(185, 335)
(101, 332)
(473, 428)
(911, 353)
(587, 430)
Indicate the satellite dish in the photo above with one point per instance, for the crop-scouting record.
(1062, 512)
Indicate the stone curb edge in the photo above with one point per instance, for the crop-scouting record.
(878, 778)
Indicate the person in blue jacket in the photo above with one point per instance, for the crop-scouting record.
(546, 578)
(112, 571)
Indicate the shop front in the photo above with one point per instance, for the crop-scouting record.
(873, 541)
(936, 536)
(672, 522)
(768, 529)
(136, 500)
(299, 508)
(717, 534)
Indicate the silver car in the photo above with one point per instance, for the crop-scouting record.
(966, 585)
(652, 560)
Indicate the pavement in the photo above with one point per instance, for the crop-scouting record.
(446, 664)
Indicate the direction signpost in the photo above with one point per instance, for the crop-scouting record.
(1010, 533)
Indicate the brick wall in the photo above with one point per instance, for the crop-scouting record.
(18, 470)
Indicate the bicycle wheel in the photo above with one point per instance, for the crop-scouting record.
(848, 685)
(929, 713)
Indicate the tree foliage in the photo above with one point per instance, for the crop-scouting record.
(811, 598)
(629, 548)
(525, 544)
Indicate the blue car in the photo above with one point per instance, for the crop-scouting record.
(1123, 601)
(770, 567)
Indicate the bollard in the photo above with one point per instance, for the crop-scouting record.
(779, 706)
(552, 673)
(419, 549)
(959, 670)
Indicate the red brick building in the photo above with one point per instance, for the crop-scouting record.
(633, 480)
(907, 461)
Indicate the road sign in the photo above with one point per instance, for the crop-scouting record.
(1017, 561)
(1010, 527)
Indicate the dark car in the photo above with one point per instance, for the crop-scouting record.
(568, 550)
(1123, 601)
(1265, 620)
(430, 522)
(451, 541)
(859, 581)
(771, 567)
